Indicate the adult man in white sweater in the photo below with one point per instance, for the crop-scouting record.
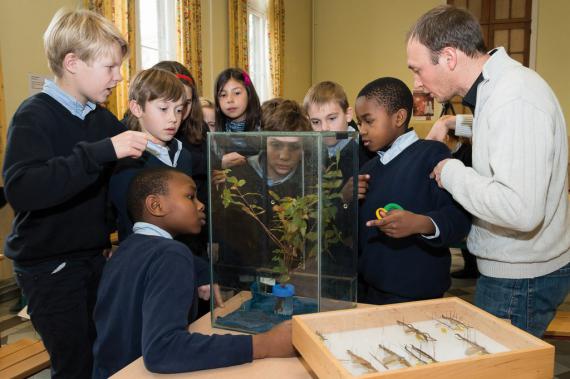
(517, 190)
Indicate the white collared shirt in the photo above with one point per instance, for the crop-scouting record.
(150, 230)
(69, 102)
(162, 152)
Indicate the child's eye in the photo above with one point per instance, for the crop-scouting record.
(191, 196)
(163, 109)
(332, 118)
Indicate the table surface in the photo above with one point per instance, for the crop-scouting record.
(294, 368)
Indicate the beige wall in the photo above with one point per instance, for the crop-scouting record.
(553, 49)
(358, 41)
(22, 24)
(298, 49)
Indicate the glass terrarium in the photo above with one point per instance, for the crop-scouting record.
(282, 225)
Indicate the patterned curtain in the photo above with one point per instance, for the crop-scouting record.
(122, 13)
(237, 16)
(189, 29)
(3, 126)
(276, 29)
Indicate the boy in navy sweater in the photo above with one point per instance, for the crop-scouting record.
(148, 284)
(404, 255)
(60, 153)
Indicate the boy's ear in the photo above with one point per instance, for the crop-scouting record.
(349, 114)
(400, 117)
(154, 206)
(135, 108)
(70, 61)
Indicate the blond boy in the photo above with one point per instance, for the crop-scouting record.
(60, 152)
(328, 109)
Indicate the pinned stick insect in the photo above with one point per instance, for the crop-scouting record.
(390, 357)
(420, 336)
(421, 356)
(453, 323)
(358, 360)
(474, 348)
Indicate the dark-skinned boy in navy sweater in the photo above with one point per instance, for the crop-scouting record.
(403, 254)
(148, 285)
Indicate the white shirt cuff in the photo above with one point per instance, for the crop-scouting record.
(435, 235)
(464, 125)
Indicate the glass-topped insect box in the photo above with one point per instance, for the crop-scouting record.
(282, 225)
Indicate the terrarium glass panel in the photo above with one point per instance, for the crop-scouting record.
(282, 225)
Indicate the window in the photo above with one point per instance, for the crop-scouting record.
(258, 48)
(156, 31)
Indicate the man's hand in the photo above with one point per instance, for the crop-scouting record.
(438, 131)
(131, 144)
(400, 224)
(232, 159)
(436, 173)
(346, 192)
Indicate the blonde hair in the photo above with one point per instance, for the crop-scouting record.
(82, 32)
(150, 85)
(205, 103)
(326, 92)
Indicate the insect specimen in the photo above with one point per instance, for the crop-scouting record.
(474, 348)
(357, 359)
(419, 354)
(420, 336)
(391, 357)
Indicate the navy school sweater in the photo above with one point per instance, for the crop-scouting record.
(145, 294)
(412, 267)
(56, 171)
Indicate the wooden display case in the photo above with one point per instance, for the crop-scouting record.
(527, 356)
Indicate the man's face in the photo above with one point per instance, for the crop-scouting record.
(433, 78)
(283, 155)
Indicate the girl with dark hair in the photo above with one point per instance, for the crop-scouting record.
(237, 110)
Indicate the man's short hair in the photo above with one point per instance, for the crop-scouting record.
(83, 32)
(151, 181)
(448, 26)
(326, 92)
(286, 116)
(390, 93)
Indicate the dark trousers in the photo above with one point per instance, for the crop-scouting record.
(61, 297)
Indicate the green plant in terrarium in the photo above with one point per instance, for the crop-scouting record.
(294, 220)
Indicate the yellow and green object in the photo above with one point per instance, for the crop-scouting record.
(387, 208)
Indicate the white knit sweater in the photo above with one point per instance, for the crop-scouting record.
(517, 190)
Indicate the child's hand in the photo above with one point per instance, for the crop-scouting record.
(204, 294)
(275, 343)
(346, 192)
(131, 144)
(400, 224)
(232, 159)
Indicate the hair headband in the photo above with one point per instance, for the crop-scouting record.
(185, 77)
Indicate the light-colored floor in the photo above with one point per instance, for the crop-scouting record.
(461, 288)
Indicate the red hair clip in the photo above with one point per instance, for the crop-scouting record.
(185, 77)
(246, 79)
